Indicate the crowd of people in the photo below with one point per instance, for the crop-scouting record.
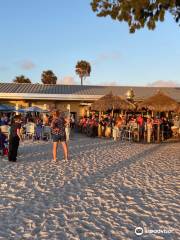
(35, 126)
(135, 126)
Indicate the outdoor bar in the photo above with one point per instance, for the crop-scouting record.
(155, 119)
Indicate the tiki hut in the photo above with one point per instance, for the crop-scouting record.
(178, 109)
(159, 102)
(111, 102)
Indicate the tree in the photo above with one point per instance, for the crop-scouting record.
(83, 69)
(21, 79)
(48, 77)
(137, 13)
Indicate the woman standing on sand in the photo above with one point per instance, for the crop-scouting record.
(58, 134)
(14, 138)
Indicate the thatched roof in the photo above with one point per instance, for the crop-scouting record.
(178, 109)
(159, 102)
(109, 102)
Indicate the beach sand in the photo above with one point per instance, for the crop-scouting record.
(105, 191)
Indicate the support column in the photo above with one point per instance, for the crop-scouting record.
(17, 108)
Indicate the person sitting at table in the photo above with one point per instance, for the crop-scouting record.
(38, 128)
(3, 139)
(4, 120)
(133, 123)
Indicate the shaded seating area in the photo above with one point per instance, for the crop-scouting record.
(153, 120)
(111, 103)
(32, 126)
(161, 109)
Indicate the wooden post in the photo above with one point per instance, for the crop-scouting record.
(162, 135)
(158, 133)
(112, 113)
(99, 126)
(99, 116)
(138, 134)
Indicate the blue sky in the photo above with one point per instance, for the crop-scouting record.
(39, 35)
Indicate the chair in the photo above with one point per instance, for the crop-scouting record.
(30, 130)
(127, 134)
(5, 130)
(47, 132)
(39, 132)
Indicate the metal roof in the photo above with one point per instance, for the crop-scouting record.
(85, 90)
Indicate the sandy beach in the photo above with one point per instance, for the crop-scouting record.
(105, 191)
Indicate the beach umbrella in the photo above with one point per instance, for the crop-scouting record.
(111, 102)
(20, 110)
(160, 102)
(35, 109)
(6, 108)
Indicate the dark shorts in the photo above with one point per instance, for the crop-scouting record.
(58, 138)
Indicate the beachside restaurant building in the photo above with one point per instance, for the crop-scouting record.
(75, 98)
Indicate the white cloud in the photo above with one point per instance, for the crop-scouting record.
(27, 64)
(162, 83)
(67, 80)
(103, 57)
(113, 83)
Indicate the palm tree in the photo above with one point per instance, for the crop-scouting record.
(21, 79)
(48, 77)
(83, 69)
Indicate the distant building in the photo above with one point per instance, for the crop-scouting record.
(77, 98)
